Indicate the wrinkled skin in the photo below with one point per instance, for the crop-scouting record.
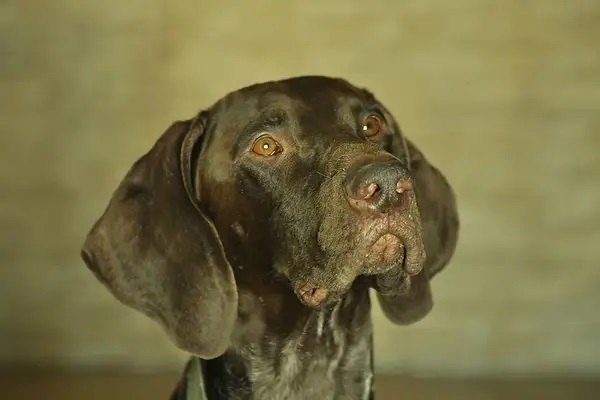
(284, 254)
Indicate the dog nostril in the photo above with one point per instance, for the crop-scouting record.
(402, 186)
(371, 190)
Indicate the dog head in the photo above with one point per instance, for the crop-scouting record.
(305, 180)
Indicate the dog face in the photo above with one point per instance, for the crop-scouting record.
(300, 177)
(305, 180)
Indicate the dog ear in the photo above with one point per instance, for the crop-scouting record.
(436, 201)
(439, 218)
(157, 252)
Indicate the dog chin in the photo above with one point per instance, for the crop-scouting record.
(320, 294)
(329, 299)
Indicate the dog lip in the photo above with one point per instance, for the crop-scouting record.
(381, 229)
(385, 251)
(386, 237)
(387, 241)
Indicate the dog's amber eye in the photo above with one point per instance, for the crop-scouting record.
(266, 146)
(372, 126)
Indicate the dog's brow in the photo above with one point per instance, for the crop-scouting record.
(266, 121)
(350, 110)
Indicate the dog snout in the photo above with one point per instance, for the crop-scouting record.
(379, 187)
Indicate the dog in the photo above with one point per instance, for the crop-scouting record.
(253, 233)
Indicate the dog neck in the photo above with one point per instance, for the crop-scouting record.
(282, 349)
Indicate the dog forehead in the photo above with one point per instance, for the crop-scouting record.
(303, 100)
(240, 108)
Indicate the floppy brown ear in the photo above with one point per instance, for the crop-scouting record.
(158, 253)
(438, 209)
(439, 219)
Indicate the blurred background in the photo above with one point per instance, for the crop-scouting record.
(502, 96)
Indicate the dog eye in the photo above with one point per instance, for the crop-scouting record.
(266, 146)
(371, 126)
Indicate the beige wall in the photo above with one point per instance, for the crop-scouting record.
(504, 96)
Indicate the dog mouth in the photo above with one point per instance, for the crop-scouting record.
(368, 247)
(385, 250)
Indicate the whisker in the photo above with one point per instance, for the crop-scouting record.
(323, 175)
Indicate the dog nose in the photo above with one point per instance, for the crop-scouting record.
(379, 186)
